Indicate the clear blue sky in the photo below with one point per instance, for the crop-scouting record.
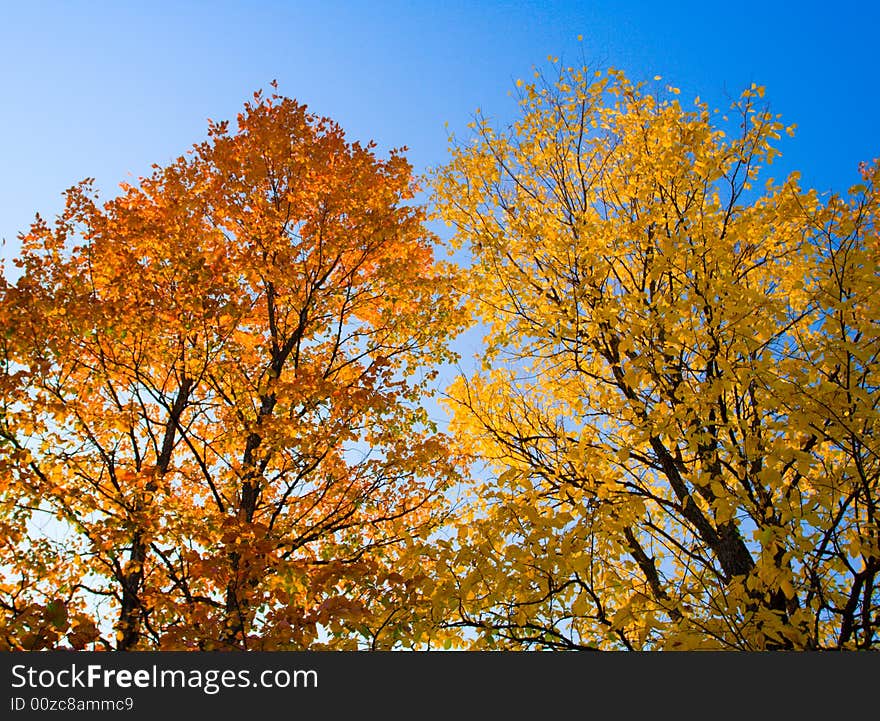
(104, 89)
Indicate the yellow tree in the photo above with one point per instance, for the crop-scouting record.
(214, 385)
(677, 406)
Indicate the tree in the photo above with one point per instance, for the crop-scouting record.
(213, 386)
(678, 400)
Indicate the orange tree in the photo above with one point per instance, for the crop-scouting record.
(212, 432)
(678, 398)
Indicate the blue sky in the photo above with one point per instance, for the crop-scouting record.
(104, 89)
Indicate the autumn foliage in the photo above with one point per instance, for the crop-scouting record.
(678, 397)
(215, 392)
(211, 427)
